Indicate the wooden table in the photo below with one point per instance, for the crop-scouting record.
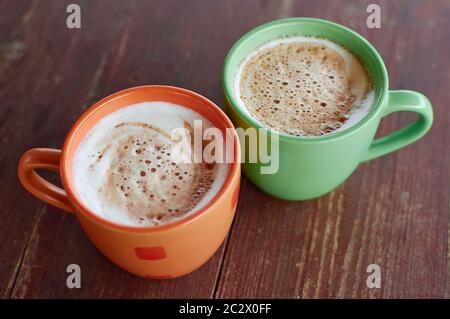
(393, 211)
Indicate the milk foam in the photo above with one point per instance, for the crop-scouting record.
(123, 170)
(360, 87)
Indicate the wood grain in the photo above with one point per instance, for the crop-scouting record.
(393, 211)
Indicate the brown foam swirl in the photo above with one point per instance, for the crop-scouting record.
(300, 88)
(142, 179)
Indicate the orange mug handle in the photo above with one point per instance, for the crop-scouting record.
(44, 158)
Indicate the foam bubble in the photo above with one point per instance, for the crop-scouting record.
(304, 86)
(124, 170)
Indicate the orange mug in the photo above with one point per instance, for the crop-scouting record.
(160, 252)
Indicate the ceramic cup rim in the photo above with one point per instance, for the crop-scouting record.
(74, 197)
(227, 74)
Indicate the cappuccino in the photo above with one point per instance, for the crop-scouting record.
(124, 170)
(304, 86)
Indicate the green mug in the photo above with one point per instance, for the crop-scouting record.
(312, 166)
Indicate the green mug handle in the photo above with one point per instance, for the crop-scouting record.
(398, 101)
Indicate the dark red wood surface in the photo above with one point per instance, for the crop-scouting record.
(393, 211)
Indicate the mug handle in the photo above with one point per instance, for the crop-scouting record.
(44, 158)
(398, 101)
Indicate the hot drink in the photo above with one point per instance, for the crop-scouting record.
(304, 86)
(124, 170)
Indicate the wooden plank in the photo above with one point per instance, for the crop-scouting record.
(393, 211)
(18, 213)
(44, 79)
(58, 241)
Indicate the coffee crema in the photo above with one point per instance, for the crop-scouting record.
(124, 170)
(304, 86)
